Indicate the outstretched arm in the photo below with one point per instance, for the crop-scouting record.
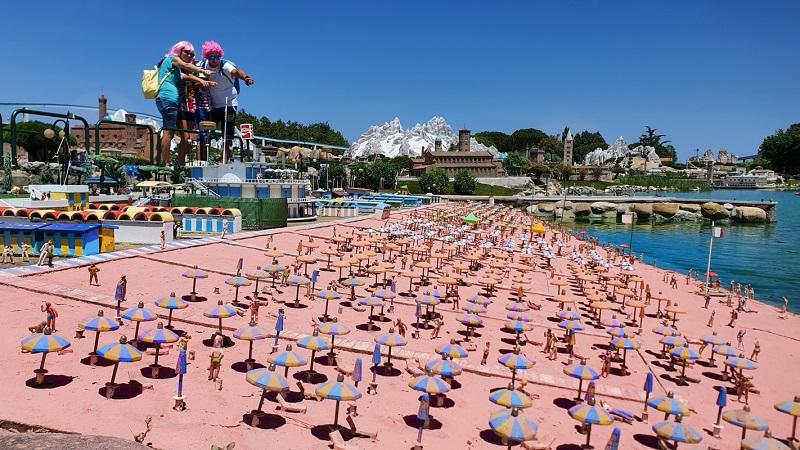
(240, 73)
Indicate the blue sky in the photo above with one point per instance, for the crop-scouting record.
(709, 74)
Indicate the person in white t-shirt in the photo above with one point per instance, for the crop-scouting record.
(225, 95)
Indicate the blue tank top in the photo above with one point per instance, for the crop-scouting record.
(169, 89)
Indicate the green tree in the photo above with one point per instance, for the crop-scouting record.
(7, 172)
(585, 142)
(553, 146)
(320, 132)
(562, 171)
(402, 162)
(516, 164)
(498, 139)
(434, 181)
(359, 174)
(335, 173)
(651, 138)
(31, 136)
(782, 150)
(381, 169)
(107, 166)
(524, 138)
(538, 171)
(464, 183)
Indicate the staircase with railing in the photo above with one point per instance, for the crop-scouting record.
(202, 188)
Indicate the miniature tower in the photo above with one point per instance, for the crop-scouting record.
(568, 142)
(463, 140)
(102, 107)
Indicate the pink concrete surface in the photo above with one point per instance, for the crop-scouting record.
(215, 416)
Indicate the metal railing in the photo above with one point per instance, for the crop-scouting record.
(13, 126)
(200, 186)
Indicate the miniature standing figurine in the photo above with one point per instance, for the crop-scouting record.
(605, 370)
(403, 262)
(740, 339)
(756, 350)
(93, 270)
(214, 365)
(590, 392)
(401, 327)
(43, 253)
(708, 300)
(784, 308)
(26, 251)
(553, 352)
(9, 253)
(300, 247)
(485, 354)
(437, 326)
(254, 305)
(163, 239)
(710, 323)
(119, 295)
(52, 315)
(734, 316)
(548, 340)
(50, 253)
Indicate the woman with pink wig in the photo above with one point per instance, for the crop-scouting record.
(179, 58)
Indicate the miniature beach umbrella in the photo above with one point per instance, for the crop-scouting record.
(451, 350)
(766, 442)
(478, 299)
(172, 302)
(221, 311)
(391, 339)
(513, 315)
(274, 269)
(470, 321)
(333, 329)
(714, 340)
(314, 343)
(470, 219)
(119, 352)
(568, 314)
(648, 388)
(376, 360)
(515, 362)
(669, 405)
(250, 333)
(620, 332)
(158, 336)
(194, 273)
(677, 432)
(512, 426)
(510, 398)
(745, 419)
(792, 408)
(267, 380)
(340, 391)
(287, 358)
(589, 414)
(99, 324)
(372, 302)
(664, 330)
(518, 307)
(237, 282)
(327, 295)
(518, 326)
(685, 354)
(444, 367)
(256, 275)
(44, 343)
(429, 384)
(138, 314)
(624, 344)
(722, 402)
(570, 325)
(474, 308)
(582, 372)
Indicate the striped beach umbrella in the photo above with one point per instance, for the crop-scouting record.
(518, 326)
(673, 341)
(44, 343)
(158, 336)
(509, 424)
(478, 299)
(451, 350)
(664, 330)
(625, 344)
(327, 295)
(170, 302)
(267, 380)
(614, 322)
(353, 282)
(444, 367)
(274, 269)
(669, 405)
(620, 332)
(428, 300)
(99, 324)
(745, 419)
(237, 282)
(510, 398)
(138, 314)
(474, 308)
(571, 325)
(766, 442)
(287, 358)
(221, 311)
(429, 384)
(568, 314)
(333, 329)
(384, 294)
(685, 354)
(119, 352)
(391, 339)
(515, 362)
(589, 414)
(725, 350)
(195, 274)
(677, 432)
(792, 408)
(372, 302)
(517, 306)
(315, 344)
(741, 363)
(513, 315)
(470, 321)
(250, 332)
(338, 390)
(582, 372)
(297, 281)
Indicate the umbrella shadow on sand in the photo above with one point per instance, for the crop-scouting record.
(307, 376)
(101, 362)
(226, 342)
(385, 371)
(569, 447)
(266, 421)
(322, 432)
(241, 366)
(564, 403)
(714, 376)
(413, 421)
(124, 391)
(163, 372)
(50, 382)
(490, 437)
(648, 440)
(197, 298)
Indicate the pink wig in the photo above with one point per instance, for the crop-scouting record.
(179, 47)
(210, 47)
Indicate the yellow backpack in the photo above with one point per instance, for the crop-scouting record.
(151, 83)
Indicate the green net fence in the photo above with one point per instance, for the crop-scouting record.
(257, 213)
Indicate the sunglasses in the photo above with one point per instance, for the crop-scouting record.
(215, 57)
(188, 52)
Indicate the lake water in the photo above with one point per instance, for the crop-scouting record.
(764, 255)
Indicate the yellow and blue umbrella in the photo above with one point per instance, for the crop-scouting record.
(267, 380)
(590, 414)
(767, 442)
(664, 330)
(582, 372)
(515, 315)
(725, 350)
(451, 350)
(625, 344)
(673, 341)
(119, 352)
(569, 314)
(741, 363)
(473, 308)
(684, 354)
(517, 306)
(510, 425)
(138, 314)
(429, 384)
(297, 280)
(273, 269)
(391, 339)
(44, 343)
(250, 333)
(428, 300)
(158, 336)
(237, 282)
(221, 311)
(470, 321)
(677, 432)
(313, 343)
(571, 325)
(333, 329)
(518, 326)
(669, 405)
(171, 302)
(745, 419)
(510, 398)
(620, 332)
(338, 390)
(194, 273)
(792, 408)
(515, 362)
(99, 324)
(478, 299)
(327, 295)
(372, 302)
(384, 294)
(287, 358)
(444, 367)
(353, 282)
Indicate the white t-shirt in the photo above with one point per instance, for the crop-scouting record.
(225, 87)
